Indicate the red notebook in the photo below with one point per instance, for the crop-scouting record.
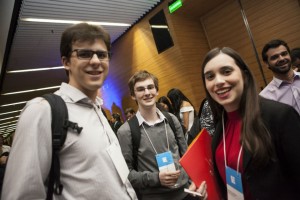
(197, 162)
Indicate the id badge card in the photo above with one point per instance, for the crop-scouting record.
(114, 151)
(234, 184)
(165, 162)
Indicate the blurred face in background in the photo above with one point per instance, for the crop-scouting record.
(164, 106)
(296, 65)
(129, 115)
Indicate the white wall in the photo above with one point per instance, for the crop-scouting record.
(6, 9)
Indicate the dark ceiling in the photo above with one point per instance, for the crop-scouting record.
(35, 45)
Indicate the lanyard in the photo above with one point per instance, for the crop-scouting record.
(224, 146)
(96, 109)
(151, 141)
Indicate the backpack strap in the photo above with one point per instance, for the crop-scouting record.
(135, 138)
(59, 127)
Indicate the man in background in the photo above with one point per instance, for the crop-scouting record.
(129, 112)
(116, 122)
(285, 86)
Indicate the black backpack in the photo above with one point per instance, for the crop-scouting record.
(59, 125)
(136, 135)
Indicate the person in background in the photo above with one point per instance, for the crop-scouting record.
(295, 55)
(256, 141)
(206, 117)
(157, 139)
(90, 162)
(165, 104)
(183, 109)
(285, 86)
(4, 152)
(129, 112)
(116, 122)
(204, 120)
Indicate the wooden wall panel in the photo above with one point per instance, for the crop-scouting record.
(268, 19)
(193, 36)
(177, 67)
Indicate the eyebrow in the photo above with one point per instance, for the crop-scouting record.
(145, 86)
(279, 53)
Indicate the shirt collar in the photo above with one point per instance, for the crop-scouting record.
(141, 118)
(76, 95)
(278, 82)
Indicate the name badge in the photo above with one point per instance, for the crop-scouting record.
(165, 162)
(234, 184)
(114, 151)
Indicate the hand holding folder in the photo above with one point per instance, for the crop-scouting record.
(197, 162)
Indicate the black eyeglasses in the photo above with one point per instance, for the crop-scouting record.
(87, 54)
(143, 89)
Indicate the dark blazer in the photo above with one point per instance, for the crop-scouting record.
(279, 179)
(116, 126)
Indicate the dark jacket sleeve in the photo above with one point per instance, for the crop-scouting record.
(283, 122)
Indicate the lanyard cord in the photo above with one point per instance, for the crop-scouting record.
(224, 146)
(151, 141)
(95, 108)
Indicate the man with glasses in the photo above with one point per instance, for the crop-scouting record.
(285, 86)
(90, 162)
(157, 145)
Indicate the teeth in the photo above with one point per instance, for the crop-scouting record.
(93, 73)
(222, 91)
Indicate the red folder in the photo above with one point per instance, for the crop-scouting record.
(197, 162)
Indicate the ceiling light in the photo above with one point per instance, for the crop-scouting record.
(9, 118)
(32, 70)
(10, 112)
(159, 26)
(12, 104)
(8, 126)
(72, 22)
(33, 90)
(8, 129)
(8, 122)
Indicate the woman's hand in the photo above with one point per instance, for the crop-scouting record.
(201, 190)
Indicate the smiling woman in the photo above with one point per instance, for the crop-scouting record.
(248, 144)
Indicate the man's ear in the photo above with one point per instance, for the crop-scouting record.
(66, 62)
(133, 97)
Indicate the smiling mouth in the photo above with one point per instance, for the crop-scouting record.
(94, 73)
(283, 63)
(223, 91)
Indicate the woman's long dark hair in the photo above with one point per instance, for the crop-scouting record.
(255, 137)
(177, 97)
(165, 100)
